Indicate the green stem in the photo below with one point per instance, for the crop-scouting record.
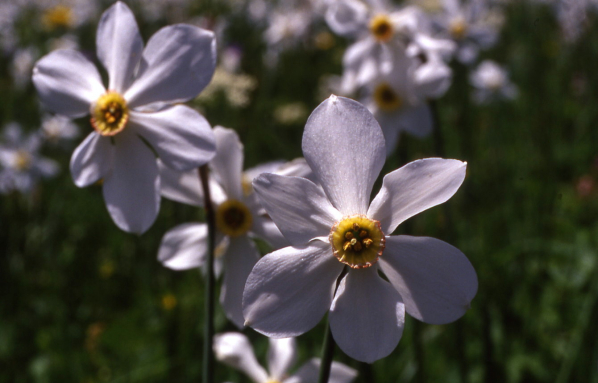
(208, 354)
(327, 354)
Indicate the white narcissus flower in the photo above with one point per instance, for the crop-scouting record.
(21, 166)
(234, 349)
(491, 82)
(332, 229)
(238, 220)
(133, 118)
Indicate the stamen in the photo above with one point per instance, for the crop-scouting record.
(357, 241)
(386, 98)
(233, 218)
(381, 27)
(109, 115)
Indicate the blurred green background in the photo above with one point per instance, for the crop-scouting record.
(84, 302)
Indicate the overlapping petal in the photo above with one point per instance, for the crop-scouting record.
(347, 17)
(264, 228)
(119, 45)
(177, 63)
(309, 373)
(67, 82)
(92, 160)
(234, 349)
(299, 208)
(290, 290)
(182, 137)
(185, 187)
(415, 187)
(239, 259)
(184, 247)
(131, 191)
(436, 280)
(227, 164)
(367, 316)
(346, 162)
(281, 357)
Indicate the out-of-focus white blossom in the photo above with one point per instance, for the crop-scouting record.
(21, 166)
(22, 65)
(491, 82)
(236, 87)
(56, 128)
(234, 350)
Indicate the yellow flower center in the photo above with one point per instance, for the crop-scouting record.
(381, 27)
(56, 17)
(169, 302)
(233, 218)
(246, 185)
(357, 241)
(458, 28)
(109, 115)
(22, 161)
(272, 381)
(386, 98)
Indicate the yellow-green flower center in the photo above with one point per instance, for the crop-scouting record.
(233, 218)
(109, 114)
(386, 98)
(381, 27)
(22, 161)
(56, 17)
(357, 241)
(458, 28)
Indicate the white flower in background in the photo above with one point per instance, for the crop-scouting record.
(22, 64)
(236, 87)
(9, 13)
(133, 119)
(471, 24)
(234, 350)
(332, 229)
(21, 165)
(66, 14)
(66, 41)
(381, 28)
(57, 128)
(238, 220)
(491, 82)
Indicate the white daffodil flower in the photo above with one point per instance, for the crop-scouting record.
(234, 350)
(471, 24)
(332, 229)
(238, 219)
(380, 28)
(56, 128)
(491, 82)
(21, 165)
(133, 119)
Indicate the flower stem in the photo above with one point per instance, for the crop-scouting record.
(327, 354)
(208, 353)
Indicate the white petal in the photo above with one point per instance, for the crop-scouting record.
(182, 137)
(266, 229)
(67, 82)
(432, 78)
(178, 62)
(185, 187)
(132, 190)
(227, 164)
(309, 373)
(347, 17)
(390, 123)
(184, 247)
(367, 316)
(415, 187)
(290, 290)
(436, 280)
(297, 206)
(417, 120)
(119, 45)
(240, 257)
(92, 160)
(282, 355)
(344, 145)
(234, 349)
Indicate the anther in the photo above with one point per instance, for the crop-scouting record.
(347, 246)
(367, 242)
(363, 234)
(357, 246)
(356, 226)
(348, 235)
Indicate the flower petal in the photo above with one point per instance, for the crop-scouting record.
(290, 290)
(132, 190)
(92, 160)
(182, 137)
(282, 355)
(119, 45)
(436, 280)
(367, 316)
(178, 62)
(67, 82)
(415, 187)
(185, 187)
(227, 164)
(309, 373)
(297, 206)
(234, 349)
(184, 247)
(264, 228)
(347, 17)
(417, 120)
(239, 259)
(344, 145)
